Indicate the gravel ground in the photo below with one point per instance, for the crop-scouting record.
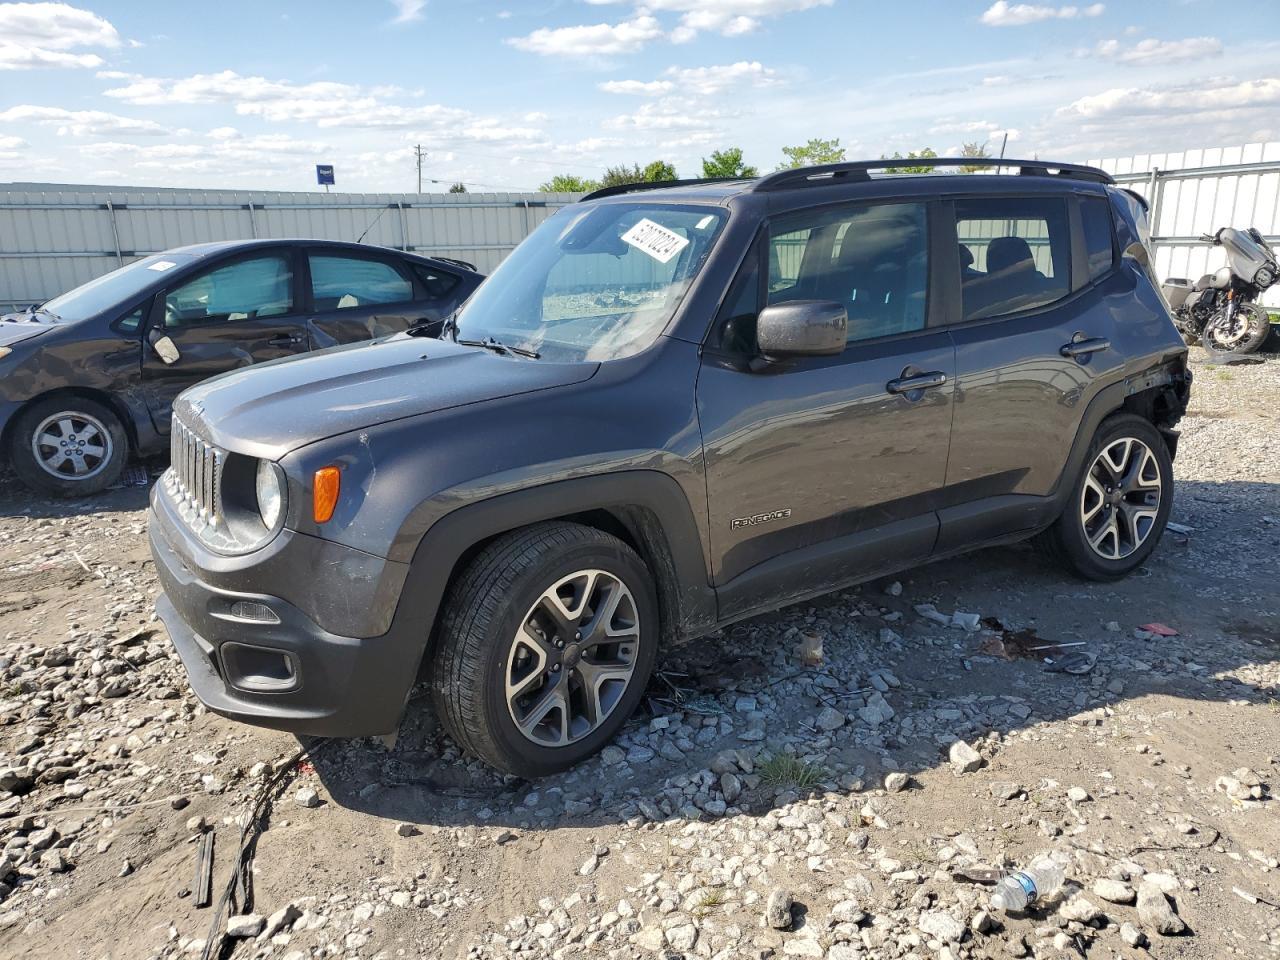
(828, 781)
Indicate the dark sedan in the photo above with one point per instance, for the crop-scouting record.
(89, 376)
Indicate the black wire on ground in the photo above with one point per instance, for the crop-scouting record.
(241, 870)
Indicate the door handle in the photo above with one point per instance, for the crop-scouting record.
(1083, 348)
(917, 381)
(285, 340)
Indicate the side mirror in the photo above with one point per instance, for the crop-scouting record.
(164, 346)
(802, 328)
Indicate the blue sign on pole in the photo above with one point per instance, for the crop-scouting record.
(324, 174)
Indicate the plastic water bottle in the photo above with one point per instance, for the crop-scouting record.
(1017, 891)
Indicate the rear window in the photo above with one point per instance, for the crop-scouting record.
(438, 283)
(1099, 235)
(1015, 254)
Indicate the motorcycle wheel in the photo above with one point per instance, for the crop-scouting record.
(1249, 330)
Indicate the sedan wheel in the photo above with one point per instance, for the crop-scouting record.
(71, 445)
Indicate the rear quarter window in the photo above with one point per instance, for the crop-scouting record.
(1099, 235)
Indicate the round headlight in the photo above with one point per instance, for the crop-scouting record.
(270, 491)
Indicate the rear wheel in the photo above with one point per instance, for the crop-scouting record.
(545, 647)
(68, 446)
(1119, 505)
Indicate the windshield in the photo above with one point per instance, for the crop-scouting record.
(112, 289)
(593, 282)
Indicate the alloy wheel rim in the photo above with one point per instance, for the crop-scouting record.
(1121, 498)
(572, 658)
(72, 445)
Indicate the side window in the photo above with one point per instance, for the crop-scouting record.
(343, 283)
(132, 320)
(1015, 254)
(253, 287)
(873, 258)
(438, 283)
(1099, 240)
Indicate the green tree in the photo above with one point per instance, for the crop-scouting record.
(569, 183)
(926, 154)
(659, 171)
(977, 151)
(621, 175)
(458, 188)
(727, 163)
(814, 152)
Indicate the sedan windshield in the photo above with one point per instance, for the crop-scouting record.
(593, 282)
(113, 289)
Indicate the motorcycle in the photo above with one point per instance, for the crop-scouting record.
(1221, 309)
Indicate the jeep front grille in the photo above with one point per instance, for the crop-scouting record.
(196, 470)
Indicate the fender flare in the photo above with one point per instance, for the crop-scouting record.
(648, 503)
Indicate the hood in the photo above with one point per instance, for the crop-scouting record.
(273, 408)
(16, 327)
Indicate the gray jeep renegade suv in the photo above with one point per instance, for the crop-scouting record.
(668, 410)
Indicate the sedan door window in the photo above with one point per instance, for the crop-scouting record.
(343, 283)
(244, 290)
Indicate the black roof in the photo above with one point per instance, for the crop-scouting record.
(215, 247)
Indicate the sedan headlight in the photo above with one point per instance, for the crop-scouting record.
(5, 351)
(269, 488)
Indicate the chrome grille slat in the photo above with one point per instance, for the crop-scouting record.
(196, 467)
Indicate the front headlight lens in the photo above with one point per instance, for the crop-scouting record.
(270, 492)
(5, 351)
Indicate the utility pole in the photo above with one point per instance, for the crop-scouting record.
(419, 153)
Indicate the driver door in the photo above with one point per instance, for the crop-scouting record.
(238, 311)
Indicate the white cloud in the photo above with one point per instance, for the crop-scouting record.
(642, 88)
(1005, 14)
(697, 81)
(1220, 95)
(408, 10)
(591, 40)
(1153, 51)
(729, 17)
(81, 123)
(12, 143)
(672, 113)
(46, 34)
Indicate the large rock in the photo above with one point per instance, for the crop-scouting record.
(964, 759)
(246, 925)
(777, 909)
(1115, 891)
(941, 926)
(1156, 913)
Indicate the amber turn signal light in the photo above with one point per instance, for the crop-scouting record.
(324, 493)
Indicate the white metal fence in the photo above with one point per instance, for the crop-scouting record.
(54, 237)
(1198, 191)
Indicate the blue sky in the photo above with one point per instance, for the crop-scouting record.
(503, 95)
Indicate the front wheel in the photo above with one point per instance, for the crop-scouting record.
(1119, 505)
(68, 446)
(1248, 330)
(545, 647)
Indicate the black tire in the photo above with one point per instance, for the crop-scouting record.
(482, 613)
(25, 454)
(1067, 542)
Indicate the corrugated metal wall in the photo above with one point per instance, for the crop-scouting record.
(53, 238)
(1198, 191)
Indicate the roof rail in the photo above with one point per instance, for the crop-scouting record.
(859, 170)
(655, 185)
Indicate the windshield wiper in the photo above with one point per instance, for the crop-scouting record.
(489, 343)
(34, 309)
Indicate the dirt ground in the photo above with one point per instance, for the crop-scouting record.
(758, 773)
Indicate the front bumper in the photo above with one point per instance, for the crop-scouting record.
(292, 675)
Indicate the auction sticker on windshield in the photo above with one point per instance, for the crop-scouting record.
(655, 240)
